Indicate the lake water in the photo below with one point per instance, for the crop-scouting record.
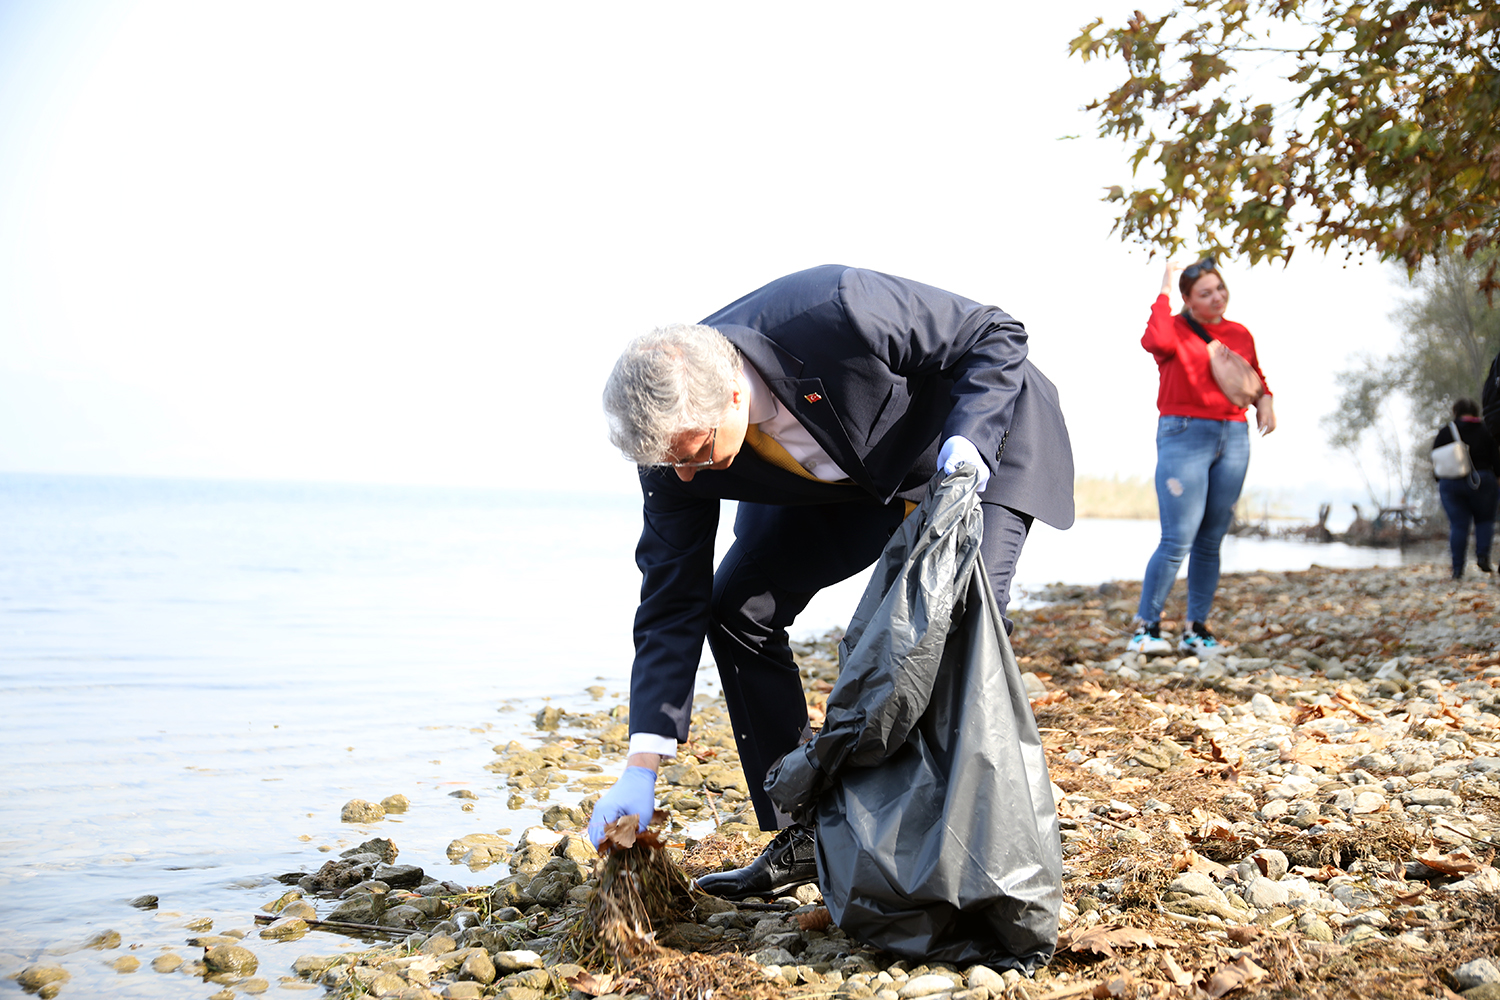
(195, 676)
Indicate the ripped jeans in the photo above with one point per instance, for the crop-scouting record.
(1200, 467)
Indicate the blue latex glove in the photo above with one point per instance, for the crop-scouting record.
(961, 451)
(634, 793)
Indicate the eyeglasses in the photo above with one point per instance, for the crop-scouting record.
(713, 440)
(1204, 265)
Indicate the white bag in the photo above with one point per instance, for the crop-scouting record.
(1451, 461)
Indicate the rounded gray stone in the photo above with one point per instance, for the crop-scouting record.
(1476, 973)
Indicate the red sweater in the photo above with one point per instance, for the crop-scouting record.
(1188, 388)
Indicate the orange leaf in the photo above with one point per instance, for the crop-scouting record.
(815, 920)
(1458, 863)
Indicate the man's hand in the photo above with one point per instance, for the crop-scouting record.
(633, 794)
(961, 451)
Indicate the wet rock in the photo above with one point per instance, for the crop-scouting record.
(362, 909)
(398, 876)
(126, 964)
(300, 908)
(147, 902)
(285, 929)
(549, 718)
(395, 805)
(166, 963)
(404, 915)
(35, 978)
(383, 848)
(211, 940)
(103, 941)
(360, 811)
(311, 965)
(281, 902)
(230, 958)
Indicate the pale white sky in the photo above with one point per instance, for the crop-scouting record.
(404, 243)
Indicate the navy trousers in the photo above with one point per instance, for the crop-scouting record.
(765, 580)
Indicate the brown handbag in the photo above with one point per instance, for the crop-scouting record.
(1236, 378)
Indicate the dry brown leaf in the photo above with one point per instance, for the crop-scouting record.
(1104, 940)
(1050, 698)
(1211, 826)
(1317, 754)
(1129, 786)
(597, 984)
(1347, 699)
(1317, 874)
(1191, 861)
(1409, 896)
(1243, 934)
(1174, 971)
(1239, 973)
(1115, 986)
(815, 920)
(1460, 862)
(621, 833)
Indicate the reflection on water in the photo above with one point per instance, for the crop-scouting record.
(197, 676)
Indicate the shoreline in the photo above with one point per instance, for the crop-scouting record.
(1353, 732)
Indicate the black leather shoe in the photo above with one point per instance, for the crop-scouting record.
(788, 861)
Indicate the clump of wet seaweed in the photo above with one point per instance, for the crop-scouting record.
(641, 890)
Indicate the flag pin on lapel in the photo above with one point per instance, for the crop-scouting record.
(813, 397)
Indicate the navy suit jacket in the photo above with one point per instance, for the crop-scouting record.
(881, 371)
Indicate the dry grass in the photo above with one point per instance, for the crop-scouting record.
(641, 890)
(1134, 498)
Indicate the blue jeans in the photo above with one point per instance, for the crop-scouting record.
(1464, 504)
(1200, 467)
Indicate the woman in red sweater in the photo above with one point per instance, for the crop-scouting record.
(1202, 452)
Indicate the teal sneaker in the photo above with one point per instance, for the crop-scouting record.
(1148, 640)
(1199, 641)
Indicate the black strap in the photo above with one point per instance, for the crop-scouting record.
(1197, 327)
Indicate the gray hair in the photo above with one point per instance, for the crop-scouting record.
(670, 381)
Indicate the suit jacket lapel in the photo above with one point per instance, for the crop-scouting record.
(806, 399)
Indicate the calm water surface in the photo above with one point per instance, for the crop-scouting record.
(195, 676)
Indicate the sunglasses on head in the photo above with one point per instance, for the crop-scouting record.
(1203, 266)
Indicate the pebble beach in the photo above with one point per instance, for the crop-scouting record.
(1313, 813)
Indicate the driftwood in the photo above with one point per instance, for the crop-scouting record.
(343, 926)
(1391, 527)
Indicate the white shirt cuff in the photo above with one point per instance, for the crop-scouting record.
(664, 746)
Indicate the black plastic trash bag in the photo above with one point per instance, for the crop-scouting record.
(937, 831)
